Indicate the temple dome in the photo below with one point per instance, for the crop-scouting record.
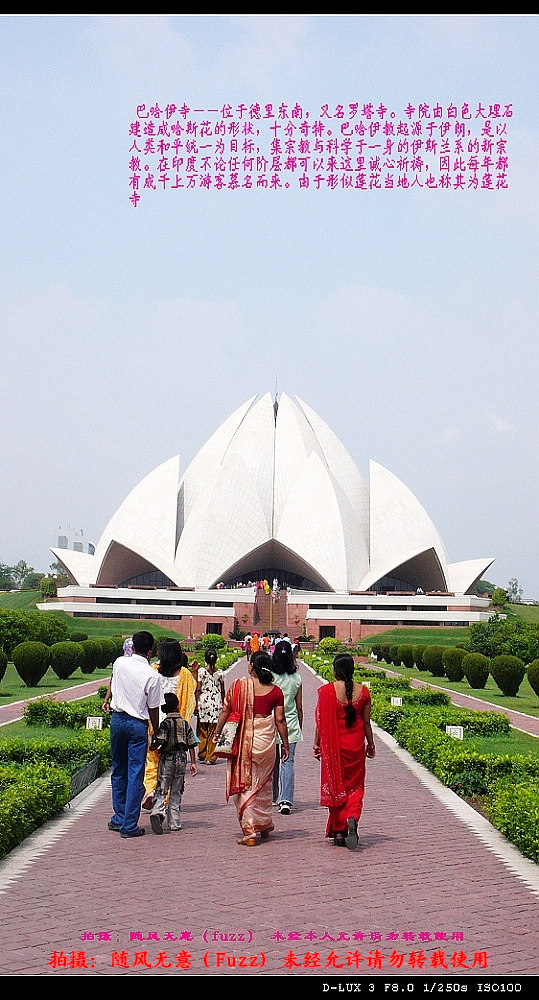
(273, 491)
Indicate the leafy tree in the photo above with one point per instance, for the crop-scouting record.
(50, 627)
(499, 636)
(31, 581)
(47, 586)
(15, 627)
(7, 581)
(59, 574)
(27, 626)
(514, 592)
(484, 587)
(499, 597)
(21, 570)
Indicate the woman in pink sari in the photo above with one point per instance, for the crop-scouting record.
(249, 778)
(343, 738)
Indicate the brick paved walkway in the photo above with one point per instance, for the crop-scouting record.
(431, 878)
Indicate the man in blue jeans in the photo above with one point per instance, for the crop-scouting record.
(136, 697)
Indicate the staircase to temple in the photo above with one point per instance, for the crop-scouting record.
(269, 613)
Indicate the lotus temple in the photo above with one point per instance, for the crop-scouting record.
(272, 526)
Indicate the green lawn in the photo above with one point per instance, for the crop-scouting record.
(20, 600)
(37, 734)
(504, 743)
(422, 636)
(525, 701)
(101, 628)
(529, 612)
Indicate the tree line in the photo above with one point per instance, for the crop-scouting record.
(25, 577)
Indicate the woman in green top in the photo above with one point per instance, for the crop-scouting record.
(286, 676)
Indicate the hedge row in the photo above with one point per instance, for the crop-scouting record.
(514, 810)
(70, 755)
(35, 775)
(29, 796)
(33, 659)
(509, 782)
(456, 664)
(72, 714)
(441, 714)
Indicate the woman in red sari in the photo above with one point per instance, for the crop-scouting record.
(249, 778)
(343, 738)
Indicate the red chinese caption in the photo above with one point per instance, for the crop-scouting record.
(375, 959)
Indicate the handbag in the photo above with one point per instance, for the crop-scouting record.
(227, 742)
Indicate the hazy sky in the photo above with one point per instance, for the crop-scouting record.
(406, 318)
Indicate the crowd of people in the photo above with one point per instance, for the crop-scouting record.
(256, 724)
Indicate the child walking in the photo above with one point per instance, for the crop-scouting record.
(174, 738)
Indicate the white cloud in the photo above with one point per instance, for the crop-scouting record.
(500, 425)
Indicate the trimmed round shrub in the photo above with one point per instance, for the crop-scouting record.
(406, 654)
(533, 676)
(109, 652)
(418, 657)
(118, 641)
(375, 650)
(394, 655)
(65, 658)
(213, 641)
(329, 645)
(384, 653)
(3, 663)
(31, 661)
(92, 655)
(452, 660)
(78, 636)
(508, 672)
(476, 669)
(432, 660)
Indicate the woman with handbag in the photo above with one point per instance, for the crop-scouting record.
(257, 705)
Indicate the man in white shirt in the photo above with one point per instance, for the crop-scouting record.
(136, 697)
